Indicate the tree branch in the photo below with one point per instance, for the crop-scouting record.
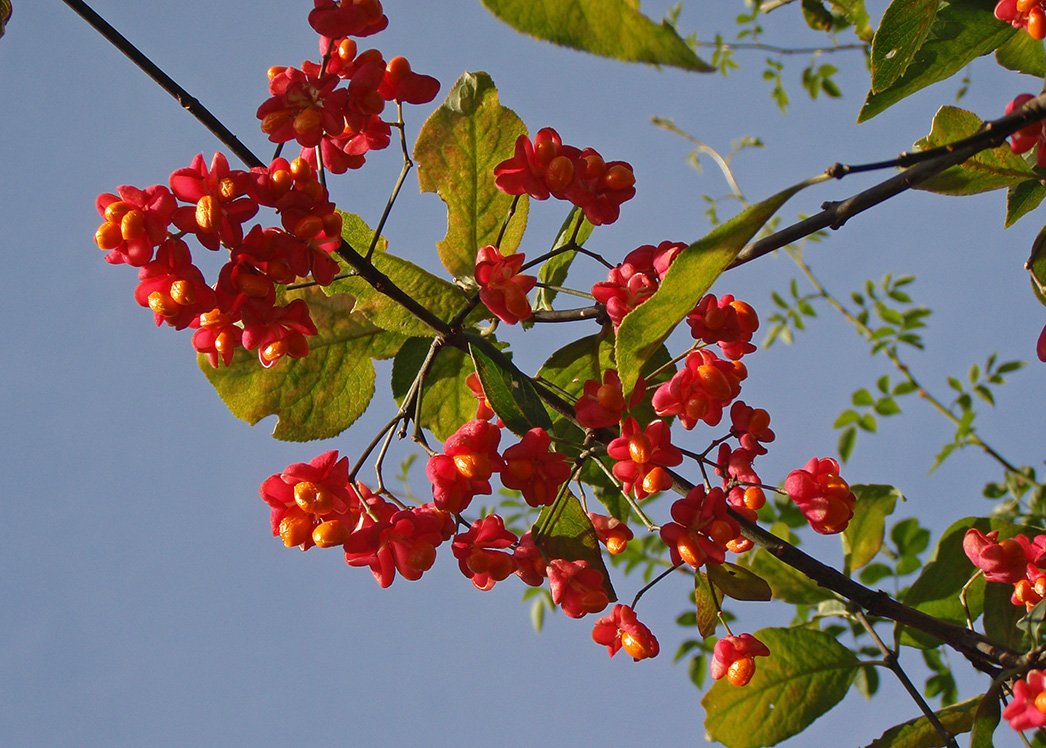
(835, 214)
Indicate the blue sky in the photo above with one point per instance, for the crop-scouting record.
(146, 601)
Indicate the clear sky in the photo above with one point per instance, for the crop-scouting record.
(144, 600)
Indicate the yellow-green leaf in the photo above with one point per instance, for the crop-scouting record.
(863, 537)
(318, 396)
(609, 28)
(786, 583)
(920, 733)
(5, 14)
(645, 328)
(707, 610)
(738, 582)
(554, 270)
(1036, 265)
(962, 31)
(456, 152)
(807, 673)
(991, 169)
(1023, 198)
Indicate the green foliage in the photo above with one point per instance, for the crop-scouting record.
(962, 31)
(896, 318)
(609, 28)
(902, 31)
(645, 328)
(738, 582)
(318, 396)
(1023, 54)
(706, 603)
(1036, 265)
(863, 537)
(786, 583)
(808, 672)
(456, 151)
(511, 393)
(5, 15)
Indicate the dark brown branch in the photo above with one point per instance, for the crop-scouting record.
(835, 214)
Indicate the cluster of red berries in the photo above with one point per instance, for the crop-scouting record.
(1018, 561)
(502, 289)
(1032, 136)
(242, 309)
(146, 229)
(343, 122)
(546, 167)
(1023, 14)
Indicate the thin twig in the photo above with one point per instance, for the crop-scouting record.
(894, 664)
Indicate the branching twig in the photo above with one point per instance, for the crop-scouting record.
(891, 661)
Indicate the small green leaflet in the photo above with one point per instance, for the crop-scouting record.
(919, 733)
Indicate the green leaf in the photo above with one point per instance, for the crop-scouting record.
(1023, 54)
(554, 270)
(862, 397)
(447, 402)
(988, 170)
(537, 614)
(807, 673)
(609, 28)
(457, 149)
(563, 530)
(318, 396)
(786, 583)
(846, 443)
(510, 391)
(863, 537)
(1036, 265)
(578, 361)
(962, 31)
(5, 15)
(919, 733)
(738, 582)
(443, 299)
(645, 328)
(902, 31)
(1001, 616)
(707, 610)
(359, 235)
(986, 719)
